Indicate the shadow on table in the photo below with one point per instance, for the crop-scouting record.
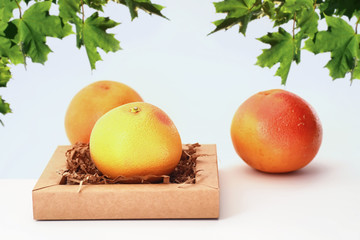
(238, 184)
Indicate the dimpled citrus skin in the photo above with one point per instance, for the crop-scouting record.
(90, 103)
(276, 131)
(135, 139)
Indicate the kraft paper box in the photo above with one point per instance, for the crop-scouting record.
(52, 200)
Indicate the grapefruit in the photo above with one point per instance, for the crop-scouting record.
(276, 131)
(135, 139)
(90, 103)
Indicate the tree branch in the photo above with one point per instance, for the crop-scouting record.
(82, 11)
(17, 3)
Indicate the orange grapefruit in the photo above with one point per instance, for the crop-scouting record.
(90, 103)
(276, 131)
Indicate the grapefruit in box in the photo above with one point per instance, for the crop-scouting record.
(276, 131)
(135, 139)
(90, 103)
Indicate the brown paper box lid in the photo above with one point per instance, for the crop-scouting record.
(52, 200)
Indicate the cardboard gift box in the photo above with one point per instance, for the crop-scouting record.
(53, 200)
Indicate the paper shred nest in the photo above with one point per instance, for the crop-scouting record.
(82, 170)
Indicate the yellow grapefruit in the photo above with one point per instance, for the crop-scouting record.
(135, 139)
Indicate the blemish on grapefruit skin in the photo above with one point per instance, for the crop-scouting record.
(104, 86)
(163, 117)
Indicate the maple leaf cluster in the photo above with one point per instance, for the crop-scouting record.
(25, 37)
(340, 39)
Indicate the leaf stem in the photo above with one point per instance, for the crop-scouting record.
(21, 44)
(82, 11)
(356, 25)
(293, 28)
(17, 3)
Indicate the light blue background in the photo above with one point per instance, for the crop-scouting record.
(198, 80)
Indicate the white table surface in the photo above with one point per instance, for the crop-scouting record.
(317, 202)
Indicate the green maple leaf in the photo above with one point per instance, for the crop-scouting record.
(68, 9)
(284, 50)
(4, 108)
(290, 9)
(93, 35)
(8, 46)
(33, 28)
(6, 9)
(291, 6)
(130, 4)
(343, 44)
(96, 4)
(307, 21)
(304, 14)
(347, 8)
(356, 72)
(5, 74)
(238, 12)
(268, 8)
(92, 32)
(145, 5)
